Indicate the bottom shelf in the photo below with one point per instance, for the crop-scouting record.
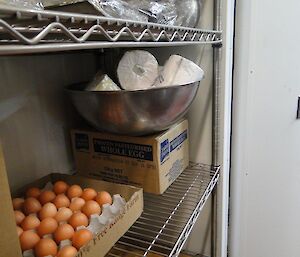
(168, 219)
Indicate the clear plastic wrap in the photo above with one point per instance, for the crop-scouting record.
(169, 12)
(30, 4)
(163, 12)
(119, 9)
(48, 3)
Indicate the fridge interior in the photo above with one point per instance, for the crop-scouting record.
(36, 116)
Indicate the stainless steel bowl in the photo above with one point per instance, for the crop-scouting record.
(133, 113)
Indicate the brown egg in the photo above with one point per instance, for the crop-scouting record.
(74, 191)
(63, 232)
(48, 211)
(31, 205)
(18, 203)
(67, 251)
(91, 207)
(60, 187)
(30, 222)
(28, 240)
(78, 219)
(63, 214)
(103, 197)
(45, 247)
(19, 217)
(88, 194)
(19, 231)
(33, 192)
(81, 237)
(46, 197)
(47, 226)
(76, 204)
(61, 201)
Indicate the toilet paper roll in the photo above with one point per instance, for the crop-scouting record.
(137, 70)
(179, 71)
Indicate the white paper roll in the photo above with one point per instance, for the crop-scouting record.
(179, 71)
(102, 83)
(137, 70)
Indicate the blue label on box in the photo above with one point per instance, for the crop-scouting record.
(178, 140)
(164, 150)
(142, 152)
(175, 170)
(81, 142)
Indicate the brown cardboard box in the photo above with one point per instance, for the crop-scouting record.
(152, 162)
(9, 242)
(101, 244)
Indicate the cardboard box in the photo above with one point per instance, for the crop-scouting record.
(101, 244)
(151, 162)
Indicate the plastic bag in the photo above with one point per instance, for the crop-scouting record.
(163, 12)
(169, 12)
(30, 4)
(118, 9)
(48, 3)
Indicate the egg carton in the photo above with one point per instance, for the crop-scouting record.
(28, 253)
(97, 223)
(48, 186)
(108, 215)
(50, 236)
(64, 243)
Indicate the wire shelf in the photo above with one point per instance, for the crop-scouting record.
(167, 220)
(31, 31)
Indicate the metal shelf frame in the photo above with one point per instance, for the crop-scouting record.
(31, 31)
(168, 219)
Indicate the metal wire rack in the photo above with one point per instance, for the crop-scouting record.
(168, 219)
(32, 31)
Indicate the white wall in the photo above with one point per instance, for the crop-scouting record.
(265, 185)
(34, 122)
